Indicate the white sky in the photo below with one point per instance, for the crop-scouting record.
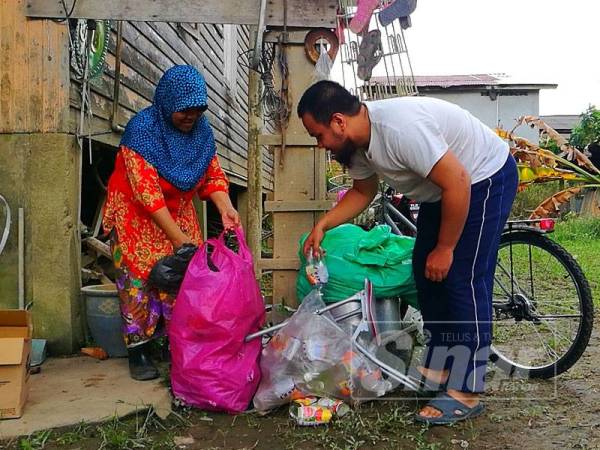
(538, 41)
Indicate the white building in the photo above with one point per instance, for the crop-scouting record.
(493, 99)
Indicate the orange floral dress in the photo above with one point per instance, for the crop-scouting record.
(135, 190)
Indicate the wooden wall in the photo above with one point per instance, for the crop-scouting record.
(150, 48)
(33, 86)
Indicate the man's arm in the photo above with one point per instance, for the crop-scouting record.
(356, 200)
(454, 181)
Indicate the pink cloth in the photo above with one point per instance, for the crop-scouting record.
(363, 15)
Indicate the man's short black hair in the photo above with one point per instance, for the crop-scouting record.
(325, 98)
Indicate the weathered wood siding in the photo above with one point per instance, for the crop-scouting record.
(33, 88)
(150, 48)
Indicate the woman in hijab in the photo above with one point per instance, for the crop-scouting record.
(167, 155)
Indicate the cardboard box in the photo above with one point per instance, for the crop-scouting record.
(15, 351)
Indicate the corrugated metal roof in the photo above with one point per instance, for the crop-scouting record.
(561, 122)
(469, 80)
(446, 81)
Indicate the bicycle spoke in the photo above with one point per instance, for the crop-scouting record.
(537, 303)
(549, 350)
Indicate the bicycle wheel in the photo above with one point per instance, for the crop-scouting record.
(543, 310)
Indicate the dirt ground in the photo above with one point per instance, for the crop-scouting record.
(565, 415)
(560, 413)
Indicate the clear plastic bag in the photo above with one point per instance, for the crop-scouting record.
(312, 355)
(323, 66)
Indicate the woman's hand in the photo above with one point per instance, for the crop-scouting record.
(230, 218)
(180, 241)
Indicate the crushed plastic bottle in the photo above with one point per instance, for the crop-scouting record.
(306, 401)
(310, 415)
(338, 407)
(316, 270)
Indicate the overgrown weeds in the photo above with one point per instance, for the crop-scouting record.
(575, 228)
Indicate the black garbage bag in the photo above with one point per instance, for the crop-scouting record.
(167, 274)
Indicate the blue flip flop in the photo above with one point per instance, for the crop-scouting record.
(452, 411)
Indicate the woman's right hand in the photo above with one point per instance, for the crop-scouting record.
(314, 241)
(180, 241)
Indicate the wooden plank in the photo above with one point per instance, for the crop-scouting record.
(98, 246)
(295, 177)
(320, 158)
(301, 13)
(35, 31)
(55, 60)
(294, 37)
(279, 264)
(299, 140)
(33, 72)
(299, 175)
(304, 206)
(20, 71)
(7, 60)
(284, 288)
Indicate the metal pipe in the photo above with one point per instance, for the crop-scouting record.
(7, 221)
(21, 258)
(114, 125)
(395, 374)
(269, 330)
(255, 164)
(392, 224)
(259, 34)
(400, 216)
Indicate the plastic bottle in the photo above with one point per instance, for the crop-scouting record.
(310, 415)
(338, 407)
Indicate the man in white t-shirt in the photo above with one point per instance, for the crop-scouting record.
(465, 179)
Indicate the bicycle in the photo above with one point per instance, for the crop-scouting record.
(518, 302)
(542, 301)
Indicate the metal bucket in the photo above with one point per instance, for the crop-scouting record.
(103, 312)
(346, 309)
(387, 314)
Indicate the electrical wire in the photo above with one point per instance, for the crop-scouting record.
(68, 14)
(274, 106)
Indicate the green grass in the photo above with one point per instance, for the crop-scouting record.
(388, 426)
(580, 236)
(547, 281)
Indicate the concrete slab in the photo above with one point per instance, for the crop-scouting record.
(71, 390)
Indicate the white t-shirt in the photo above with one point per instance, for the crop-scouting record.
(410, 134)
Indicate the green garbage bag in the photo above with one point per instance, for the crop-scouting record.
(353, 254)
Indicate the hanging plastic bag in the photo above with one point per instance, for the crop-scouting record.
(218, 305)
(323, 65)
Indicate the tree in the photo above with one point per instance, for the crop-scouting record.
(588, 130)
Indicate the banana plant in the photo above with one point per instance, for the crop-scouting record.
(540, 165)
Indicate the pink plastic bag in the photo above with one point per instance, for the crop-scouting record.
(212, 367)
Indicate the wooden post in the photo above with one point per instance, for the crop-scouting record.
(300, 185)
(254, 230)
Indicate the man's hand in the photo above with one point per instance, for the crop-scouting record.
(438, 263)
(314, 240)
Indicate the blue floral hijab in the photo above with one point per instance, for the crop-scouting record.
(181, 158)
